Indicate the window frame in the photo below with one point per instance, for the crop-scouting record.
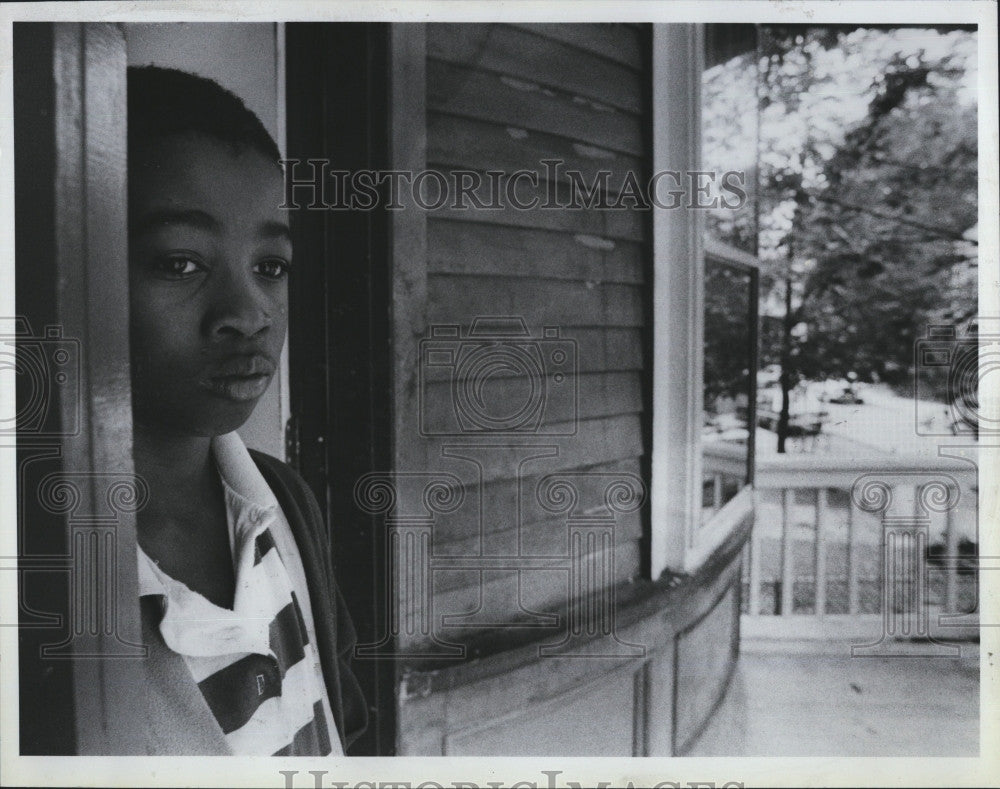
(714, 530)
(680, 541)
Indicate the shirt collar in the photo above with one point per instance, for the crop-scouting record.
(240, 474)
(249, 503)
(149, 580)
(191, 624)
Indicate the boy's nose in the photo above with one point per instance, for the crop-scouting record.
(239, 309)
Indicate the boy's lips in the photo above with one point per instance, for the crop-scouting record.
(240, 378)
(243, 366)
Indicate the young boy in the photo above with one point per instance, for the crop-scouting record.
(249, 638)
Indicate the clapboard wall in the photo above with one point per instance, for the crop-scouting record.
(505, 98)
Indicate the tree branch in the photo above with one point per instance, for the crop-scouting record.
(924, 167)
(941, 232)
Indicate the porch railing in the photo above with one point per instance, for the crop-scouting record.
(831, 536)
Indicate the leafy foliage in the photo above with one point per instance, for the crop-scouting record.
(866, 178)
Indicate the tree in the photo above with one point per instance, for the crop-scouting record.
(888, 233)
(866, 196)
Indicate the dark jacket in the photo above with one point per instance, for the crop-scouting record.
(335, 635)
(180, 721)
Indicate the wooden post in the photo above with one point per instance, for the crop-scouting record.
(787, 601)
(820, 555)
(853, 514)
(77, 290)
(754, 546)
(678, 302)
(950, 563)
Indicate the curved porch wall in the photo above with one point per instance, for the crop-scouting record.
(519, 703)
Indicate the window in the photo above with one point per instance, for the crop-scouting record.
(705, 302)
(727, 436)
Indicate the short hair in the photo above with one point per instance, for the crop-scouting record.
(164, 102)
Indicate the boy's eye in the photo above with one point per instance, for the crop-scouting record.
(178, 266)
(273, 268)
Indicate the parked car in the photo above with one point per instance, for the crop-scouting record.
(809, 424)
(848, 397)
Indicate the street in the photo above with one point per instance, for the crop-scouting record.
(884, 424)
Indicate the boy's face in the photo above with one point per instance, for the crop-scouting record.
(209, 253)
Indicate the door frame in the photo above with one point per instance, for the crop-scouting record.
(354, 94)
(79, 626)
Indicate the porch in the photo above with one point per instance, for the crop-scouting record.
(880, 657)
(795, 700)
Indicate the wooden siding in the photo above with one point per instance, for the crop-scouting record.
(506, 97)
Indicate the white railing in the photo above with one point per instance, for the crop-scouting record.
(832, 534)
(726, 465)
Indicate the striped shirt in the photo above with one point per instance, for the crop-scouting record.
(255, 664)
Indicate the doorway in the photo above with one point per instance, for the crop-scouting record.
(339, 329)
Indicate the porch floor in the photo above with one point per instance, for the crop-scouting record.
(817, 700)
